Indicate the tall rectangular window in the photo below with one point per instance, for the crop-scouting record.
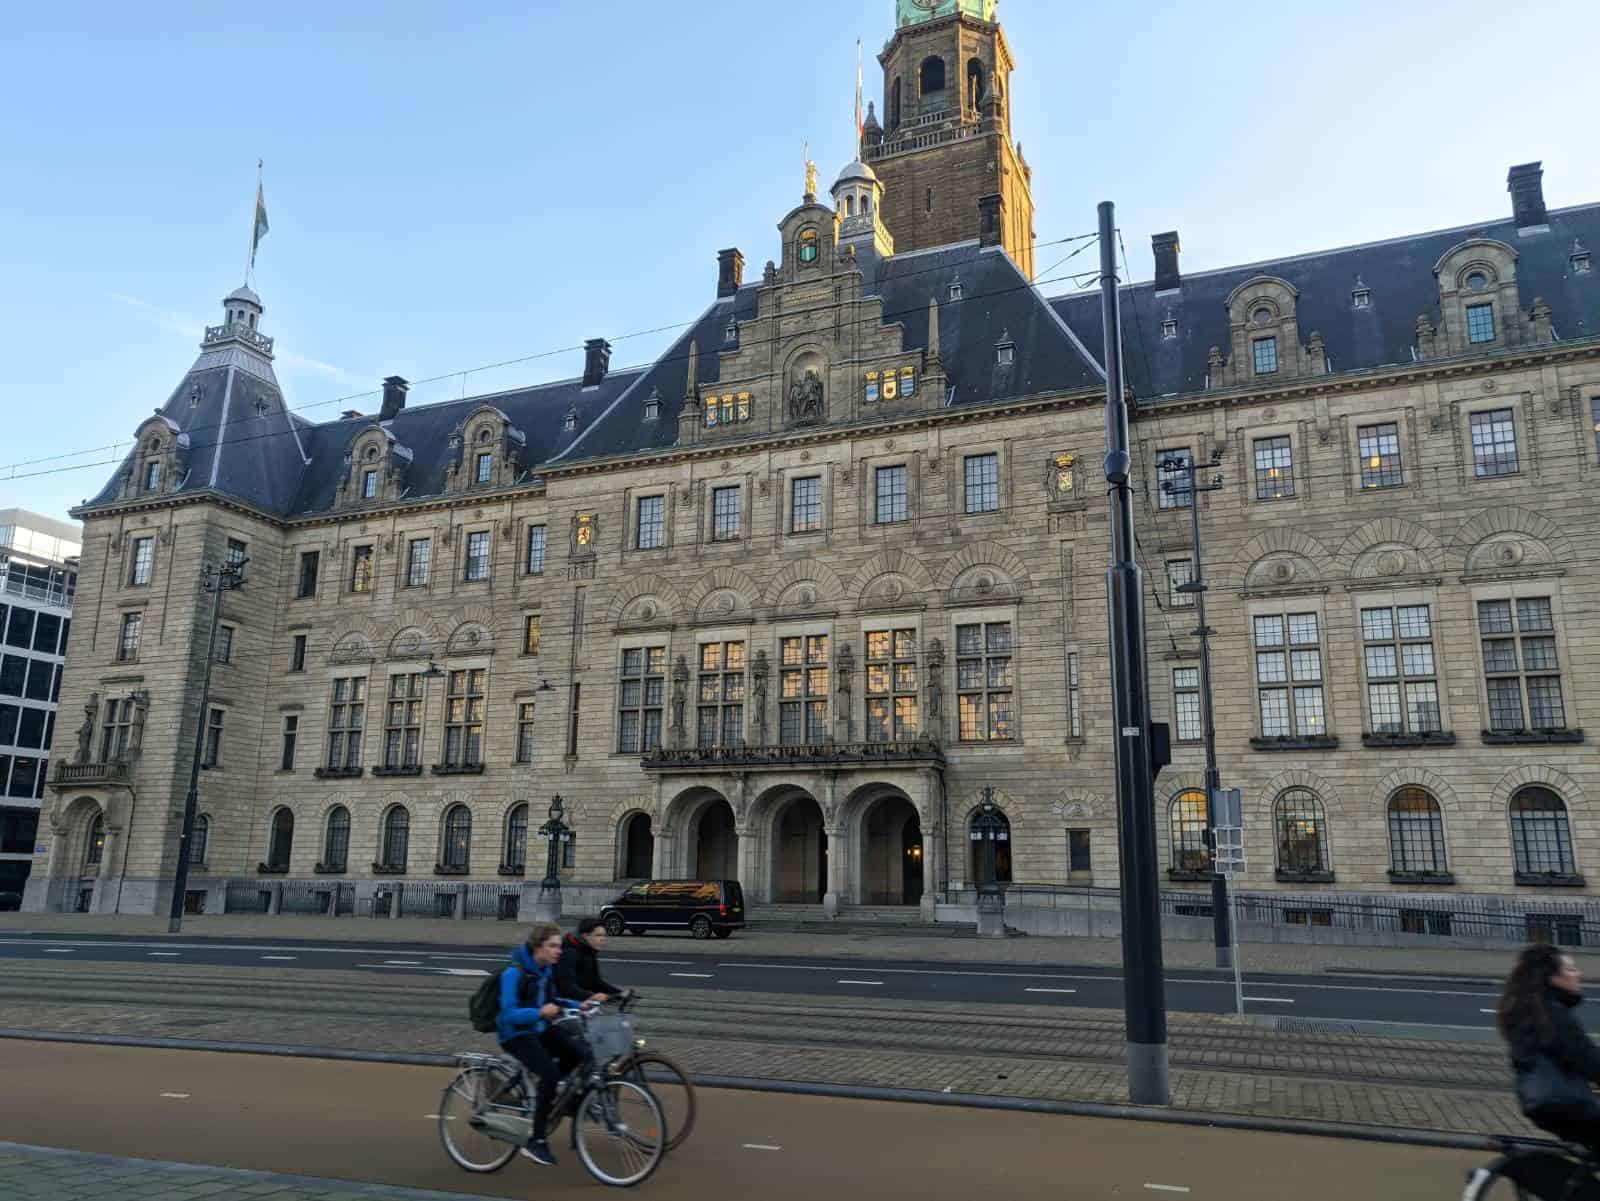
(128, 638)
(804, 673)
(1186, 704)
(402, 722)
(721, 701)
(1173, 468)
(306, 581)
(347, 719)
(419, 561)
(1266, 355)
(224, 647)
(805, 504)
(485, 468)
(984, 682)
(1402, 683)
(1521, 663)
(642, 696)
(1480, 323)
(477, 564)
(1074, 698)
(889, 491)
(291, 735)
(1494, 443)
(463, 719)
(143, 563)
(1078, 861)
(237, 553)
(893, 709)
(726, 514)
(982, 483)
(212, 756)
(1288, 649)
(152, 475)
(1180, 572)
(530, 634)
(1379, 447)
(297, 653)
(525, 732)
(1274, 468)
(369, 485)
(651, 533)
(117, 729)
(361, 569)
(536, 534)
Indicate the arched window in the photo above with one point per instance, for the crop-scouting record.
(200, 841)
(1416, 833)
(336, 844)
(1188, 817)
(1541, 838)
(396, 843)
(930, 76)
(639, 847)
(515, 858)
(849, 206)
(95, 848)
(281, 841)
(989, 835)
(457, 838)
(1301, 827)
(974, 83)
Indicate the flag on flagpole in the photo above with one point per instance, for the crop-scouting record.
(261, 226)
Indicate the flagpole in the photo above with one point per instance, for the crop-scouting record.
(250, 255)
(858, 100)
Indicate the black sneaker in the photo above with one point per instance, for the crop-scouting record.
(539, 1151)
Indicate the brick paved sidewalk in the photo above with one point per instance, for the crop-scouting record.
(1295, 958)
(48, 1174)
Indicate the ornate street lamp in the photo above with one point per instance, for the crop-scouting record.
(554, 832)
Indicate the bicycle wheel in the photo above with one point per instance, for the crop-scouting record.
(460, 1129)
(619, 1133)
(1531, 1176)
(673, 1090)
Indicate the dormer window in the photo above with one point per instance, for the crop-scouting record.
(731, 334)
(485, 468)
(1480, 323)
(571, 422)
(1169, 329)
(1581, 264)
(152, 475)
(1262, 316)
(956, 290)
(1266, 353)
(1005, 352)
(652, 406)
(369, 484)
(1477, 281)
(1361, 298)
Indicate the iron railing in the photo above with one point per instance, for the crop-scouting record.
(824, 754)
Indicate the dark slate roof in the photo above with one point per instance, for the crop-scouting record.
(1398, 273)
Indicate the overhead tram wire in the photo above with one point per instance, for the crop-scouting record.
(290, 411)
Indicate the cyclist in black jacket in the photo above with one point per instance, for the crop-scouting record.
(578, 969)
(1555, 1060)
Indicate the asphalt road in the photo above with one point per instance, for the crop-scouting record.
(374, 1123)
(1463, 1005)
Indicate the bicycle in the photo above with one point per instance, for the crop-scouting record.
(1536, 1169)
(665, 1078)
(618, 1130)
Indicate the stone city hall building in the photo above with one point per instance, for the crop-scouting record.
(791, 602)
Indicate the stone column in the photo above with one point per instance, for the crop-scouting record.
(932, 857)
(838, 869)
(103, 885)
(754, 880)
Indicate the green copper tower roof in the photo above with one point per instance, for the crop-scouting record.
(913, 12)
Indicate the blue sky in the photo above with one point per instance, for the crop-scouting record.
(453, 186)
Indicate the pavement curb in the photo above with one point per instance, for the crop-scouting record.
(1089, 1109)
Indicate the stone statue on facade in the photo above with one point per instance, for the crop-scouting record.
(91, 709)
(805, 397)
(845, 665)
(933, 666)
(680, 694)
(141, 710)
(760, 673)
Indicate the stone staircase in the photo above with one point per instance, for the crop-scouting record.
(852, 919)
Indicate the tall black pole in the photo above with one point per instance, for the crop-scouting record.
(1144, 990)
(216, 581)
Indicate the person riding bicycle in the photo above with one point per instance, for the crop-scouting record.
(578, 969)
(1555, 1061)
(530, 1000)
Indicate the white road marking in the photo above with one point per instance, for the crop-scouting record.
(402, 963)
(693, 975)
(858, 981)
(58, 950)
(164, 954)
(1488, 1011)
(761, 1147)
(176, 1096)
(1271, 1000)
(463, 971)
(1067, 990)
(284, 958)
(1167, 1188)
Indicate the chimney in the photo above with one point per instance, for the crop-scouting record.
(1526, 185)
(596, 361)
(394, 398)
(991, 219)
(1166, 251)
(730, 271)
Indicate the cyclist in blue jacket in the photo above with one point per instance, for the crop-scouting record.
(528, 1005)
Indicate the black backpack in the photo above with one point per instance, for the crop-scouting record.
(484, 1007)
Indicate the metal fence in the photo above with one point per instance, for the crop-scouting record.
(248, 896)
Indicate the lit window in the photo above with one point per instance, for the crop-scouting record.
(1480, 323)
(1379, 447)
(983, 483)
(720, 707)
(643, 693)
(1301, 826)
(1494, 443)
(1266, 355)
(1402, 681)
(361, 569)
(1274, 468)
(530, 634)
(1188, 823)
(803, 680)
(457, 850)
(652, 524)
(477, 565)
(984, 682)
(892, 685)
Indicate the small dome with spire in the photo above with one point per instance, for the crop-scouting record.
(856, 171)
(242, 293)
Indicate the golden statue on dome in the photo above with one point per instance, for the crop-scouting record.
(811, 172)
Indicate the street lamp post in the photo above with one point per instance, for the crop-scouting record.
(555, 832)
(215, 580)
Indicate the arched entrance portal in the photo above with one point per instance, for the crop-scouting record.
(799, 853)
(891, 853)
(638, 848)
(716, 843)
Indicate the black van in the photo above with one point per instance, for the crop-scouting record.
(702, 907)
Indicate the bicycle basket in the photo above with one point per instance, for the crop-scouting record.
(609, 1035)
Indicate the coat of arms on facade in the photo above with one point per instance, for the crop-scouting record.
(585, 529)
(1063, 479)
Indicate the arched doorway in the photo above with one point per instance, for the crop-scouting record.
(638, 848)
(891, 853)
(716, 843)
(989, 835)
(799, 853)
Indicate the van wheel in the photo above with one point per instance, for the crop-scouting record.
(615, 925)
(700, 927)
(724, 933)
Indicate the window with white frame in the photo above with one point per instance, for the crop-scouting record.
(1274, 459)
(236, 554)
(893, 709)
(369, 485)
(727, 513)
(419, 559)
(1402, 677)
(485, 469)
(641, 699)
(721, 696)
(463, 718)
(1173, 474)
(1521, 663)
(805, 504)
(982, 483)
(804, 674)
(143, 562)
(1265, 351)
(347, 719)
(1480, 323)
(1494, 443)
(1179, 573)
(1186, 704)
(651, 531)
(1288, 650)
(1379, 448)
(536, 540)
(477, 564)
(985, 682)
(402, 725)
(128, 637)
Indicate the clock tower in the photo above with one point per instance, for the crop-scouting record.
(944, 152)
